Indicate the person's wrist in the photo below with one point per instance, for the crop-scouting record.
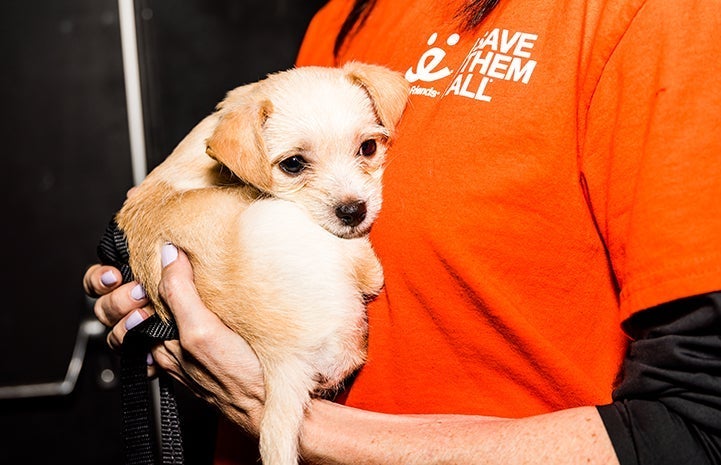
(318, 426)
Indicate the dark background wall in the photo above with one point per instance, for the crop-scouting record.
(63, 124)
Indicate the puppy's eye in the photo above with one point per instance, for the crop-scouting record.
(294, 165)
(368, 148)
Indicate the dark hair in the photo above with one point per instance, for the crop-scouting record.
(470, 15)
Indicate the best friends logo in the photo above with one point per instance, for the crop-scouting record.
(499, 55)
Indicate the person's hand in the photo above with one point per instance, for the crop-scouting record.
(210, 359)
(118, 306)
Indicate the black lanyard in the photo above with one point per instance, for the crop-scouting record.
(139, 425)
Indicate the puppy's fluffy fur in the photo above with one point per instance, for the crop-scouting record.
(275, 223)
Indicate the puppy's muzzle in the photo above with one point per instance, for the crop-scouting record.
(351, 214)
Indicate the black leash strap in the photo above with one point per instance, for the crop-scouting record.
(139, 428)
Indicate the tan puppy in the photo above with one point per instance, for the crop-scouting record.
(275, 223)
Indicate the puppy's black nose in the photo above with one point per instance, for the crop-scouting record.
(351, 214)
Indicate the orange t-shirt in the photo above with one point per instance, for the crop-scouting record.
(556, 170)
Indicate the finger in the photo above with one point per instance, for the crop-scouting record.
(111, 308)
(201, 331)
(153, 368)
(101, 279)
(178, 290)
(166, 359)
(168, 356)
(116, 336)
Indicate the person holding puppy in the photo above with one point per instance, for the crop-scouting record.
(550, 235)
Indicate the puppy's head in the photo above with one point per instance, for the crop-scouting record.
(315, 136)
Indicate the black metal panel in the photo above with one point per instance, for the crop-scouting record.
(65, 143)
(194, 51)
(63, 124)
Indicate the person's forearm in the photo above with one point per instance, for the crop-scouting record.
(334, 434)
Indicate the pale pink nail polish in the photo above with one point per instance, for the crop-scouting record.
(108, 278)
(168, 254)
(134, 320)
(138, 292)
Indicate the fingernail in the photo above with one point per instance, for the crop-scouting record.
(138, 292)
(108, 278)
(133, 320)
(168, 254)
(149, 359)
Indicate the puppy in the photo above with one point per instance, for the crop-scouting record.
(272, 197)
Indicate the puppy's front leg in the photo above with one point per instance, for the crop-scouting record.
(367, 268)
(288, 384)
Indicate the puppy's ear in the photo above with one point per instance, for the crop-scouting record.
(237, 140)
(387, 89)
(237, 96)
